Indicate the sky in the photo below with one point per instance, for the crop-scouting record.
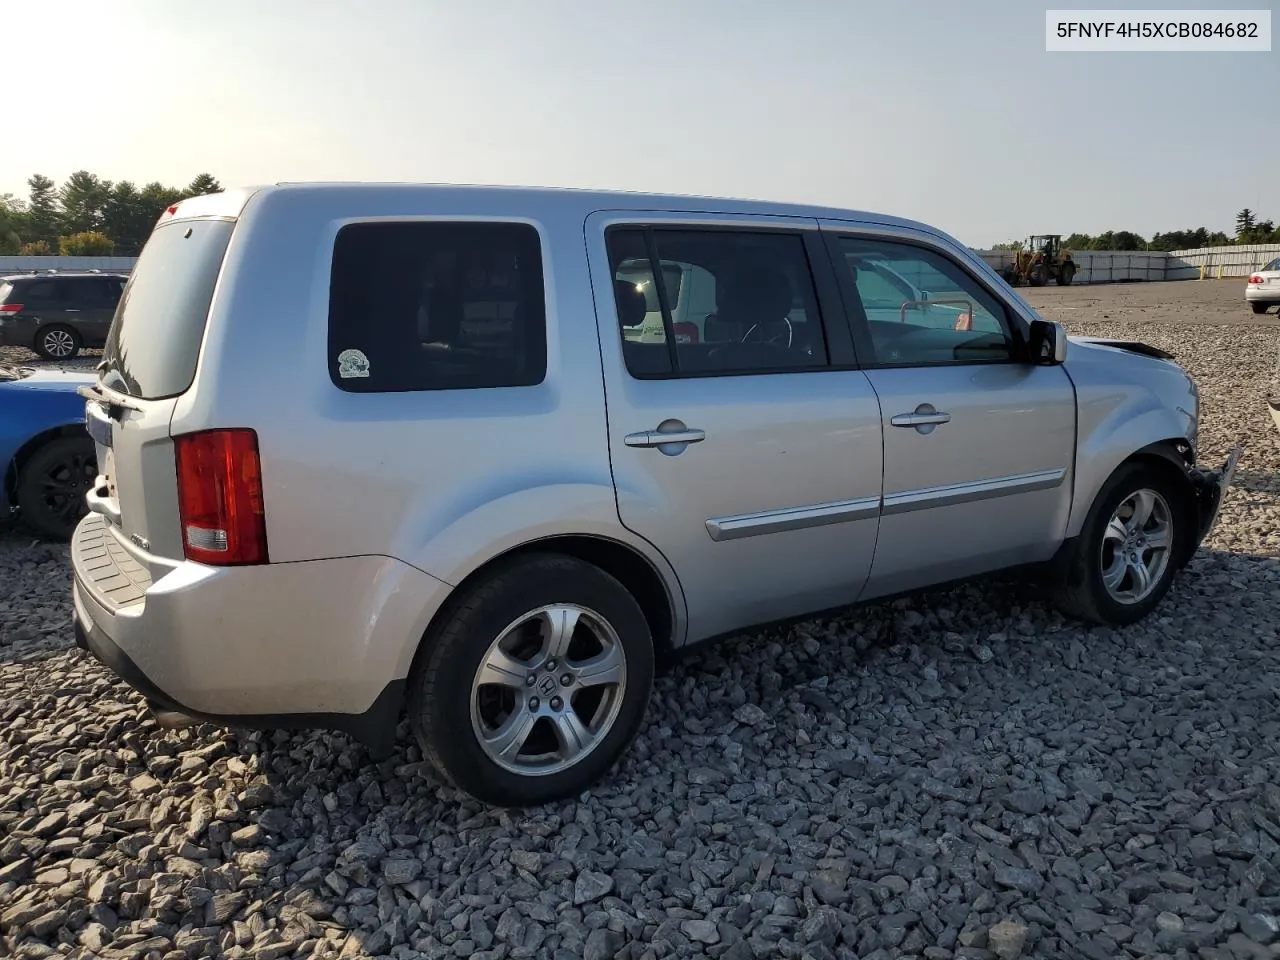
(948, 112)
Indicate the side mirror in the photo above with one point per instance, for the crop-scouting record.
(1048, 342)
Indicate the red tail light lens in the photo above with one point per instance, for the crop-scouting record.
(1255, 279)
(10, 308)
(220, 497)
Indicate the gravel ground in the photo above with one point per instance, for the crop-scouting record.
(962, 774)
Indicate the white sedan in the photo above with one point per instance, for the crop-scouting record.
(1263, 288)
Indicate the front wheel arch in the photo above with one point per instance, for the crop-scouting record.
(1074, 588)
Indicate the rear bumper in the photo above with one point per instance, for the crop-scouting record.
(375, 727)
(1264, 292)
(321, 644)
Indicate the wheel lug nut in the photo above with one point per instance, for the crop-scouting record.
(530, 680)
(534, 703)
(551, 664)
(556, 703)
(566, 680)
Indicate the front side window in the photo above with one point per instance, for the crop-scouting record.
(732, 302)
(436, 306)
(922, 308)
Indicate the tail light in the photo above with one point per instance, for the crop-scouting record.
(220, 497)
(1253, 279)
(7, 308)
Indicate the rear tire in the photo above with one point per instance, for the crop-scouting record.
(535, 684)
(1097, 582)
(57, 343)
(1258, 306)
(52, 485)
(1039, 275)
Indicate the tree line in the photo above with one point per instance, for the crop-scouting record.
(88, 216)
(1249, 230)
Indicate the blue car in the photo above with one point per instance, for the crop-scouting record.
(49, 459)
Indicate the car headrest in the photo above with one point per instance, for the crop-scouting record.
(631, 303)
(444, 315)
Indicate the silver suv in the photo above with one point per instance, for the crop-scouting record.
(459, 452)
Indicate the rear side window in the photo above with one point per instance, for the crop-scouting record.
(41, 291)
(155, 338)
(436, 306)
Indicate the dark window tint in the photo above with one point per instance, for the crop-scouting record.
(155, 337)
(731, 302)
(922, 308)
(436, 306)
(90, 291)
(41, 291)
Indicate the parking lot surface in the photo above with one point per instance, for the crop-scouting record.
(959, 774)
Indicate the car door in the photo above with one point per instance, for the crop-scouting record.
(979, 442)
(97, 298)
(749, 454)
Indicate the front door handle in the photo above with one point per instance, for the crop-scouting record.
(660, 438)
(920, 419)
(923, 419)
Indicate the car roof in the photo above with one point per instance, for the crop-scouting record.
(596, 199)
(582, 201)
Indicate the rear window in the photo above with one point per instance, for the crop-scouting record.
(436, 306)
(155, 338)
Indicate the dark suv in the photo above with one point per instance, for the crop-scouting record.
(55, 314)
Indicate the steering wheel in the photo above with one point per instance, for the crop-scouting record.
(774, 339)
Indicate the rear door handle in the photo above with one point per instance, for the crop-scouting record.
(920, 419)
(72, 310)
(660, 438)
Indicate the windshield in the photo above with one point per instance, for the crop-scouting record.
(159, 324)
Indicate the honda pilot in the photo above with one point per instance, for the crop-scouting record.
(478, 456)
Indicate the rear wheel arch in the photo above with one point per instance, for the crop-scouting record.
(624, 563)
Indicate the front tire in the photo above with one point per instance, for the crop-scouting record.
(1065, 274)
(52, 485)
(535, 684)
(57, 343)
(1123, 562)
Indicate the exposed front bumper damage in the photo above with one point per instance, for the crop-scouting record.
(1210, 486)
